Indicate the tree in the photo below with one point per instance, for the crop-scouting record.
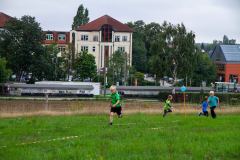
(81, 17)
(158, 62)
(85, 66)
(118, 68)
(49, 65)
(138, 78)
(172, 52)
(205, 70)
(20, 44)
(152, 32)
(4, 72)
(225, 40)
(139, 52)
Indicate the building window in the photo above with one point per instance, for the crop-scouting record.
(49, 36)
(62, 48)
(124, 38)
(84, 48)
(117, 38)
(233, 78)
(121, 49)
(84, 37)
(93, 48)
(95, 38)
(220, 67)
(106, 33)
(61, 37)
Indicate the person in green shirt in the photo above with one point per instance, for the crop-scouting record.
(167, 105)
(115, 104)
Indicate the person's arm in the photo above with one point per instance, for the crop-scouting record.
(116, 103)
(208, 101)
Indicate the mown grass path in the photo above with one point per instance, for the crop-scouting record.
(137, 136)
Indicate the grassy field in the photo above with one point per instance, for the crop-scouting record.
(136, 136)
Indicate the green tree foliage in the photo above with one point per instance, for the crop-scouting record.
(50, 65)
(139, 52)
(139, 77)
(85, 66)
(20, 44)
(152, 32)
(81, 17)
(4, 72)
(167, 50)
(225, 39)
(172, 52)
(118, 68)
(205, 70)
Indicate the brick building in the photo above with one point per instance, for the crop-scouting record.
(227, 60)
(60, 38)
(3, 19)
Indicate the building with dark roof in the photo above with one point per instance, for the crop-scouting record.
(227, 60)
(102, 37)
(3, 19)
(60, 38)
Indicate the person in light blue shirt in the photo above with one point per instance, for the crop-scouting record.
(213, 102)
(204, 107)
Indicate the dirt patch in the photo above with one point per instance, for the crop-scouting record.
(15, 108)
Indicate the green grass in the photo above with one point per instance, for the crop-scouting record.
(138, 136)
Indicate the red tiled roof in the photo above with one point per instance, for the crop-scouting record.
(3, 19)
(98, 23)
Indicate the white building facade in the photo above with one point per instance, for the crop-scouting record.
(101, 38)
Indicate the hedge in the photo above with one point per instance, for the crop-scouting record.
(226, 98)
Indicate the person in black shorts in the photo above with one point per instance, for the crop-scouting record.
(115, 104)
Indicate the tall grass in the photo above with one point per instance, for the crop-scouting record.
(14, 108)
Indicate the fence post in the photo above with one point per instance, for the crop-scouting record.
(46, 101)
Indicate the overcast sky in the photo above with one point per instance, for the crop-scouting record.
(208, 19)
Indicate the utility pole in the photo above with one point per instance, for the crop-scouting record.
(125, 69)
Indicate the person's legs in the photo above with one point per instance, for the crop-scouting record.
(213, 114)
(111, 118)
(205, 113)
(119, 112)
(164, 113)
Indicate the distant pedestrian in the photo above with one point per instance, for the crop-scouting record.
(213, 102)
(115, 104)
(204, 107)
(167, 105)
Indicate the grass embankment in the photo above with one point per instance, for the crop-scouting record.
(15, 108)
(137, 136)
